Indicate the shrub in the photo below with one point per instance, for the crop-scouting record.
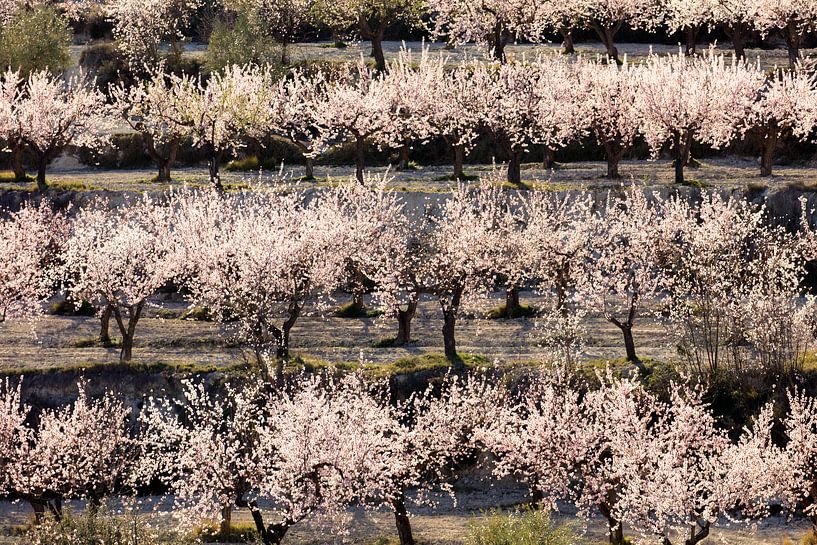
(239, 43)
(100, 527)
(70, 308)
(238, 533)
(527, 528)
(36, 39)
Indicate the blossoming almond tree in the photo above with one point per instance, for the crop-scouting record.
(149, 109)
(204, 447)
(53, 113)
(80, 450)
(10, 136)
(31, 242)
(608, 95)
(462, 255)
(683, 99)
(370, 19)
(219, 114)
(119, 258)
(491, 23)
(356, 106)
(624, 266)
(787, 104)
(607, 17)
(791, 19)
(255, 255)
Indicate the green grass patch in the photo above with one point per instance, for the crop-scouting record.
(243, 164)
(95, 342)
(8, 177)
(524, 311)
(238, 533)
(530, 527)
(694, 182)
(351, 310)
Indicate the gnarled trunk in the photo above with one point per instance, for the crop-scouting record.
(17, 162)
(212, 165)
(459, 160)
(449, 340)
(127, 330)
(105, 326)
(515, 168)
(404, 318)
(614, 152)
(360, 157)
(226, 521)
(737, 32)
(568, 47)
(512, 307)
(691, 34)
(402, 521)
(548, 158)
(768, 148)
(607, 36)
(404, 157)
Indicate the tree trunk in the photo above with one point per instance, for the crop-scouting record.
(105, 326)
(402, 521)
(226, 521)
(42, 164)
(377, 50)
(737, 33)
(629, 342)
(793, 37)
(614, 153)
(512, 307)
(360, 158)
(549, 158)
(164, 161)
(17, 162)
(768, 148)
(404, 318)
(459, 160)
(691, 33)
(404, 157)
(568, 47)
(127, 330)
(680, 160)
(284, 53)
(309, 169)
(499, 40)
(607, 37)
(515, 168)
(215, 179)
(616, 532)
(449, 341)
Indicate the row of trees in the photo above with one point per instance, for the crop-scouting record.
(141, 27)
(669, 101)
(662, 468)
(724, 279)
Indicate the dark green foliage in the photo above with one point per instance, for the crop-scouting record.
(70, 308)
(36, 39)
(239, 42)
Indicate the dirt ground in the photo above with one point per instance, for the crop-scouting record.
(739, 172)
(60, 341)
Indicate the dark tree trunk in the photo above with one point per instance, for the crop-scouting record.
(212, 164)
(459, 160)
(568, 47)
(615, 530)
(691, 33)
(164, 161)
(105, 326)
(404, 157)
(737, 32)
(377, 49)
(794, 38)
(402, 521)
(515, 168)
(681, 156)
(284, 53)
(272, 534)
(499, 39)
(768, 148)
(614, 153)
(282, 339)
(512, 307)
(17, 162)
(404, 318)
(127, 330)
(360, 158)
(449, 340)
(548, 158)
(42, 165)
(607, 36)
(309, 168)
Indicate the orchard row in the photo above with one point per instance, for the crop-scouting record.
(661, 467)
(140, 27)
(550, 102)
(725, 279)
